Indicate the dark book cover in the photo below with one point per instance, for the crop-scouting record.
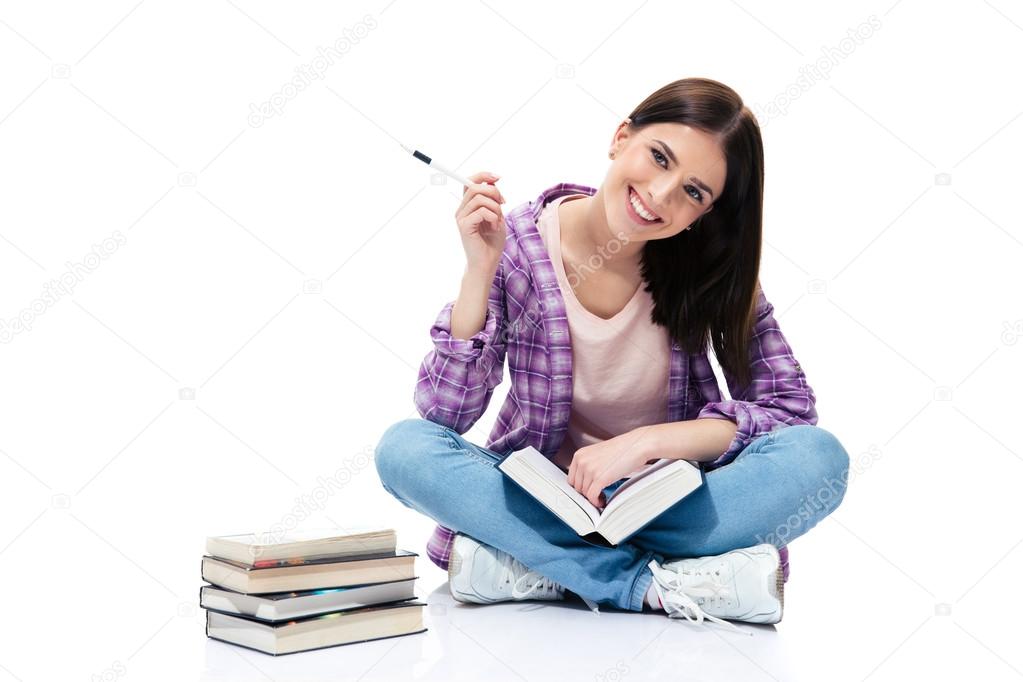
(329, 646)
(288, 621)
(274, 596)
(375, 607)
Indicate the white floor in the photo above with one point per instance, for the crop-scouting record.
(851, 614)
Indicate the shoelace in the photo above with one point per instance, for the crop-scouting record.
(510, 566)
(545, 585)
(679, 597)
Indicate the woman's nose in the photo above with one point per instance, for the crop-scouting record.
(659, 198)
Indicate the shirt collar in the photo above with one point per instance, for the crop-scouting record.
(552, 193)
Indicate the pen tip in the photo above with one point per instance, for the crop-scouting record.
(407, 148)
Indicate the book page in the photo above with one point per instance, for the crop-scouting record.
(639, 474)
(297, 535)
(651, 474)
(550, 472)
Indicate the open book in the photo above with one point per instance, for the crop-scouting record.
(646, 493)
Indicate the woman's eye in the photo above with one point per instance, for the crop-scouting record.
(658, 155)
(696, 194)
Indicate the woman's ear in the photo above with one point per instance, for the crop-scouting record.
(621, 132)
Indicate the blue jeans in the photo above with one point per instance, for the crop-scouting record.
(779, 487)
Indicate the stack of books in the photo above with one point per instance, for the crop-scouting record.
(309, 589)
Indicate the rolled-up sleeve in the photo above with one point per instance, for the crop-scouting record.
(458, 376)
(777, 396)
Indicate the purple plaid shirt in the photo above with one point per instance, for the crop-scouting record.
(526, 322)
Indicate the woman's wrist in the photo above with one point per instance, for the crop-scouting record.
(696, 440)
(478, 272)
(648, 444)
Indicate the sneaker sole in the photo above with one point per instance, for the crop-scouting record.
(779, 587)
(454, 561)
(779, 584)
(454, 568)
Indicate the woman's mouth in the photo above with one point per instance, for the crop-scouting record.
(638, 211)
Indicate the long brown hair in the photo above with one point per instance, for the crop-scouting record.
(704, 280)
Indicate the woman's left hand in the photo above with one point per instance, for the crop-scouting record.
(597, 466)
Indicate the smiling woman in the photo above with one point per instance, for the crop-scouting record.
(685, 192)
(606, 302)
(692, 153)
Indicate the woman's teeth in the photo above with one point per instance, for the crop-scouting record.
(638, 207)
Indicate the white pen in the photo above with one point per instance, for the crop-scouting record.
(433, 164)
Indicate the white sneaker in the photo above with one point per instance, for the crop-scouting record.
(743, 584)
(481, 574)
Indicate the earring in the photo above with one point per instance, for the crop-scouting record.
(610, 155)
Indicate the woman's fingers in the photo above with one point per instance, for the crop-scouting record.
(477, 201)
(482, 215)
(486, 190)
(480, 221)
(480, 185)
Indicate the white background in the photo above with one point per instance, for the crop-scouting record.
(261, 308)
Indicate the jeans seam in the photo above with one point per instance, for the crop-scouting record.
(468, 449)
(452, 441)
(478, 457)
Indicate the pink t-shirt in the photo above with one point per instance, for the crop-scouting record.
(620, 365)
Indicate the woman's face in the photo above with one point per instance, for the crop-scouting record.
(677, 172)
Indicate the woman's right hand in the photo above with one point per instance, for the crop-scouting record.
(481, 222)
